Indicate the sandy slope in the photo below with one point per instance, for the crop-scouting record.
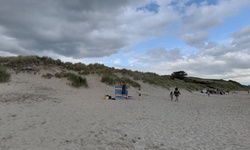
(47, 114)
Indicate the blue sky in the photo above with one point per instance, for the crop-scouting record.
(230, 25)
(205, 38)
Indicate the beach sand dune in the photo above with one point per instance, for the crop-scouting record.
(48, 114)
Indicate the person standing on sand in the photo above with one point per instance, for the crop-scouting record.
(123, 90)
(208, 93)
(171, 95)
(176, 94)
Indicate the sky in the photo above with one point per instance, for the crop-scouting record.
(204, 38)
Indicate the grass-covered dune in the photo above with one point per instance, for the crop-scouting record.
(111, 76)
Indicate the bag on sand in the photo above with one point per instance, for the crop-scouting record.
(106, 97)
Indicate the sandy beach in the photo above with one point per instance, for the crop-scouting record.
(48, 114)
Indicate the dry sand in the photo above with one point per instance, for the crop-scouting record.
(48, 114)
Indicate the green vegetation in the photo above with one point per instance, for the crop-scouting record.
(130, 82)
(4, 75)
(76, 80)
(108, 80)
(179, 75)
(110, 75)
(112, 79)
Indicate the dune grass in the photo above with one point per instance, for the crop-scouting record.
(112, 79)
(76, 80)
(109, 75)
(4, 74)
(108, 80)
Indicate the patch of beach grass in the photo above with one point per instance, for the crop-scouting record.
(4, 74)
(109, 74)
(76, 80)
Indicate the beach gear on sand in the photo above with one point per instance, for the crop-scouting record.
(108, 97)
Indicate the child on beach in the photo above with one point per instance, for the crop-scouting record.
(208, 93)
(171, 95)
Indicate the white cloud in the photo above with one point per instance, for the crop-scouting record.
(197, 20)
(213, 61)
(195, 38)
(79, 29)
(72, 30)
(117, 61)
(200, 17)
(84, 29)
(241, 39)
(162, 54)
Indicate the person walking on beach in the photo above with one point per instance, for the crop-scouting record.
(123, 90)
(171, 95)
(176, 94)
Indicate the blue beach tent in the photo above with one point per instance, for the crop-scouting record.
(118, 92)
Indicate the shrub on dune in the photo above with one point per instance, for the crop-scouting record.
(4, 75)
(108, 80)
(76, 80)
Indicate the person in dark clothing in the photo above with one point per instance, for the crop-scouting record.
(176, 94)
(123, 89)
